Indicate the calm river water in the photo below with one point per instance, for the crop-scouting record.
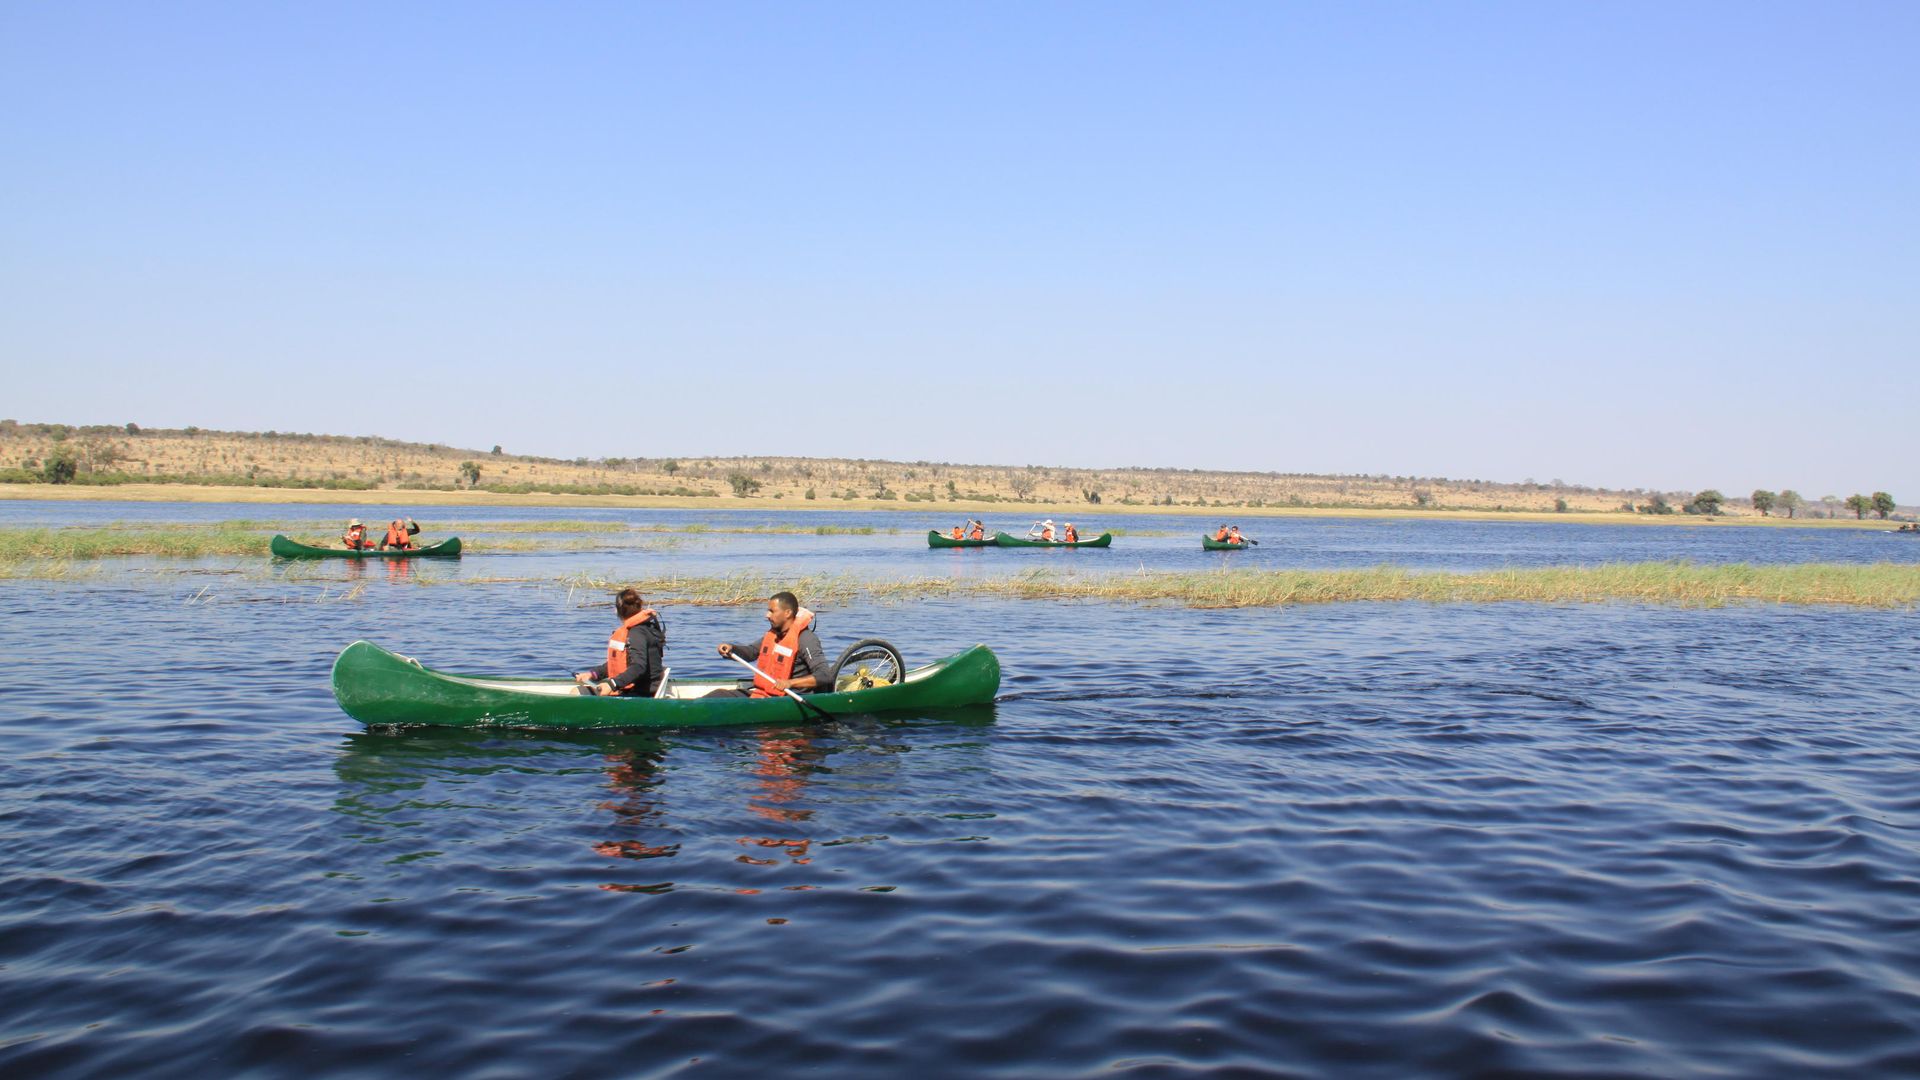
(1355, 840)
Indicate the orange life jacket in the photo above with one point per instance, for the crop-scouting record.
(1046, 533)
(617, 647)
(356, 537)
(979, 533)
(397, 535)
(777, 652)
(1072, 535)
(956, 532)
(1221, 536)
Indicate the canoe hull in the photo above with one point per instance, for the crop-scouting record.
(1003, 540)
(935, 540)
(380, 688)
(284, 548)
(1211, 544)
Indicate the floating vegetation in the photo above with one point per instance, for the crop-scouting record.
(23, 544)
(1882, 585)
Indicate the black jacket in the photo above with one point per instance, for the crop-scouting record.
(646, 660)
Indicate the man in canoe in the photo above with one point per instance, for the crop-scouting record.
(788, 656)
(635, 652)
(1040, 530)
(400, 534)
(1069, 535)
(356, 535)
(959, 533)
(977, 530)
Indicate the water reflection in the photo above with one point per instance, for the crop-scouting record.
(635, 777)
(657, 791)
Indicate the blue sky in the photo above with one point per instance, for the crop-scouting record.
(1671, 245)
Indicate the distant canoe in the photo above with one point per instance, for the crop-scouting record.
(1003, 540)
(287, 549)
(1211, 544)
(936, 539)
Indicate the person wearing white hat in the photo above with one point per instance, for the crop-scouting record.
(1042, 529)
(356, 535)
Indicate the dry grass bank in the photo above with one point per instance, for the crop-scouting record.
(370, 470)
(385, 504)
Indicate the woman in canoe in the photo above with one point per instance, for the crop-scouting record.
(356, 535)
(977, 530)
(400, 534)
(1040, 530)
(635, 652)
(959, 533)
(788, 656)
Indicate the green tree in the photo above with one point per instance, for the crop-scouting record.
(743, 485)
(1763, 501)
(496, 450)
(1559, 506)
(1657, 504)
(1882, 504)
(1790, 501)
(470, 472)
(1859, 504)
(670, 467)
(60, 467)
(1707, 503)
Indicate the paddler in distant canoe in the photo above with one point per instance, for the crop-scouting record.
(356, 535)
(1220, 535)
(636, 652)
(977, 530)
(959, 533)
(788, 656)
(400, 534)
(1040, 530)
(1069, 535)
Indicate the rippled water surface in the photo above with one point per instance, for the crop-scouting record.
(1368, 840)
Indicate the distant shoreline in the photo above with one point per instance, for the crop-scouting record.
(936, 513)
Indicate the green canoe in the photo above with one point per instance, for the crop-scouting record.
(937, 539)
(287, 549)
(1003, 540)
(1211, 544)
(377, 687)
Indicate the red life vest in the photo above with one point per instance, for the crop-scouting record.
(956, 532)
(356, 537)
(1221, 536)
(617, 647)
(777, 653)
(397, 536)
(1046, 533)
(979, 533)
(1072, 535)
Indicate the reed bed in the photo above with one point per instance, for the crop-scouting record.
(21, 544)
(1878, 585)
